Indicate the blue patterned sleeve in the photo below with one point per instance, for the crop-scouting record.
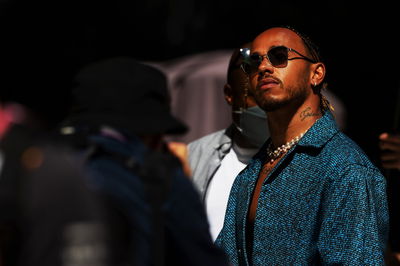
(355, 218)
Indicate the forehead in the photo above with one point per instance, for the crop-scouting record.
(277, 37)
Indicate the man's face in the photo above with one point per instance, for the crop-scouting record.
(275, 87)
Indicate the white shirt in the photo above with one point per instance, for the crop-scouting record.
(220, 186)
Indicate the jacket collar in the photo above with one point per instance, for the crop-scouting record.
(224, 143)
(321, 132)
(316, 137)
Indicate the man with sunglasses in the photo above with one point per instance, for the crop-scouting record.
(310, 195)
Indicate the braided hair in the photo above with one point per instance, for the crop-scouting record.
(314, 51)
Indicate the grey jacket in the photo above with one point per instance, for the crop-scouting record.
(205, 156)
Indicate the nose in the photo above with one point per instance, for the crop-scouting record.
(265, 65)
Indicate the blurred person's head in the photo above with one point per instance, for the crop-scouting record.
(123, 94)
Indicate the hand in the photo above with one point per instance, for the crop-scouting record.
(179, 149)
(390, 146)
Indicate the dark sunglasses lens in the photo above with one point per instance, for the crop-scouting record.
(278, 56)
(254, 62)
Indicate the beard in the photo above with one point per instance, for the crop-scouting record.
(292, 95)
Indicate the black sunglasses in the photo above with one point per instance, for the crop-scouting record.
(278, 57)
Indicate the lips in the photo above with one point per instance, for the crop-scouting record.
(267, 83)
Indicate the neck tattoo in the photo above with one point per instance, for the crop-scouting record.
(308, 113)
(278, 152)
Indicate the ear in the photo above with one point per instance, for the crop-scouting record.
(228, 93)
(317, 74)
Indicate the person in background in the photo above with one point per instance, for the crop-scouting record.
(389, 145)
(311, 195)
(48, 214)
(217, 158)
(118, 120)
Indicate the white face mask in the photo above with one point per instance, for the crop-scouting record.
(253, 125)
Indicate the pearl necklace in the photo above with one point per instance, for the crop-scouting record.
(275, 154)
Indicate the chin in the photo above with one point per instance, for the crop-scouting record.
(270, 104)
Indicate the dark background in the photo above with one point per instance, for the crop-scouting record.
(44, 42)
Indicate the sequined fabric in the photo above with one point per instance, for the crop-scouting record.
(324, 203)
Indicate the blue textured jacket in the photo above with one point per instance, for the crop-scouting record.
(323, 203)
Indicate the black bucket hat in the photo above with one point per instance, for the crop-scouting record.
(126, 94)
